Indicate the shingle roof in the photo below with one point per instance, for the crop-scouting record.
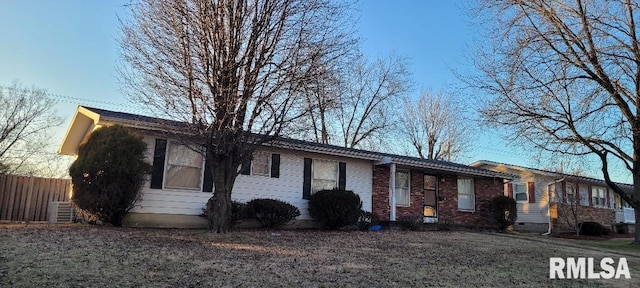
(550, 173)
(307, 146)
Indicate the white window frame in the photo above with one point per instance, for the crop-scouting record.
(268, 162)
(314, 164)
(472, 194)
(167, 165)
(599, 193)
(526, 192)
(403, 201)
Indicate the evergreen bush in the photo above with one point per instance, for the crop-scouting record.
(271, 212)
(503, 210)
(109, 172)
(335, 208)
(593, 229)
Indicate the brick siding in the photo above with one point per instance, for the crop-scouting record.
(604, 216)
(448, 212)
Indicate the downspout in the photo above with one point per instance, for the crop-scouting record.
(392, 192)
(549, 204)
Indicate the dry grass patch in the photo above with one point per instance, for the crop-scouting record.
(88, 256)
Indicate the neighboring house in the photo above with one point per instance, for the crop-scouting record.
(291, 170)
(548, 201)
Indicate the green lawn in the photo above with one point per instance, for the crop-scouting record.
(619, 244)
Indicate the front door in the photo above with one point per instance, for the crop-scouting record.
(430, 188)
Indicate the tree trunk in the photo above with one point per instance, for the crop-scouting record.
(219, 206)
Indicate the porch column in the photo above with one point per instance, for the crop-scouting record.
(392, 192)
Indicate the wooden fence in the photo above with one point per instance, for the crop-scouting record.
(27, 198)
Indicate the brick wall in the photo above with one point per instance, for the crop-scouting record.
(448, 212)
(604, 216)
(485, 188)
(380, 192)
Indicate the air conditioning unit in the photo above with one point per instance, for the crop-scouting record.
(60, 212)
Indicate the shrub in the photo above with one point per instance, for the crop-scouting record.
(503, 210)
(593, 229)
(366, 220)
(238, 212)
(622, 229)
(410, 223)
(335, 208)
(271, 212)
(109, 172)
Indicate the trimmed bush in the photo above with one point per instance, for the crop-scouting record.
(335, 208)
(109, 172)
(366, 220)
(410, 223)
(503, 210)
(593, 229)
(271, 212)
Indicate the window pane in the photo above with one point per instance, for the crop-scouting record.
(402, 179)
(465, 202)
(260, 164)
(466, 195)
(183, 156)
(325, 175)
(182, 177)
(520, 192)
(403, 196)
(327, 170)
(184, 167)
(584, 195)
(430, 182)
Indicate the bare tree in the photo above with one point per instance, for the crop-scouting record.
(26, 117)
(434, 126)
(355, 101)
(233, 69)
(564, 75)
(321, 100)
(369, 95)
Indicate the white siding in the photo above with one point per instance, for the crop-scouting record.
(287, 188)
(537, 212)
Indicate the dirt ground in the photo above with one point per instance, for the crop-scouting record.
(90, 256)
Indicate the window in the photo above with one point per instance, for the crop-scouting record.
(571, 193)
(184, 167)
(403, 193)
(520, 192)
(598, 196)
(584, 194)
(619, 203)
(466, 194)
(260, 164)
(325, 175)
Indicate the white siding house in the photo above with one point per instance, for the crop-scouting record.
(287, 187)
(177, 188)
(553, 191)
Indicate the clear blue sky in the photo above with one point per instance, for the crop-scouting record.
(69, 48)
